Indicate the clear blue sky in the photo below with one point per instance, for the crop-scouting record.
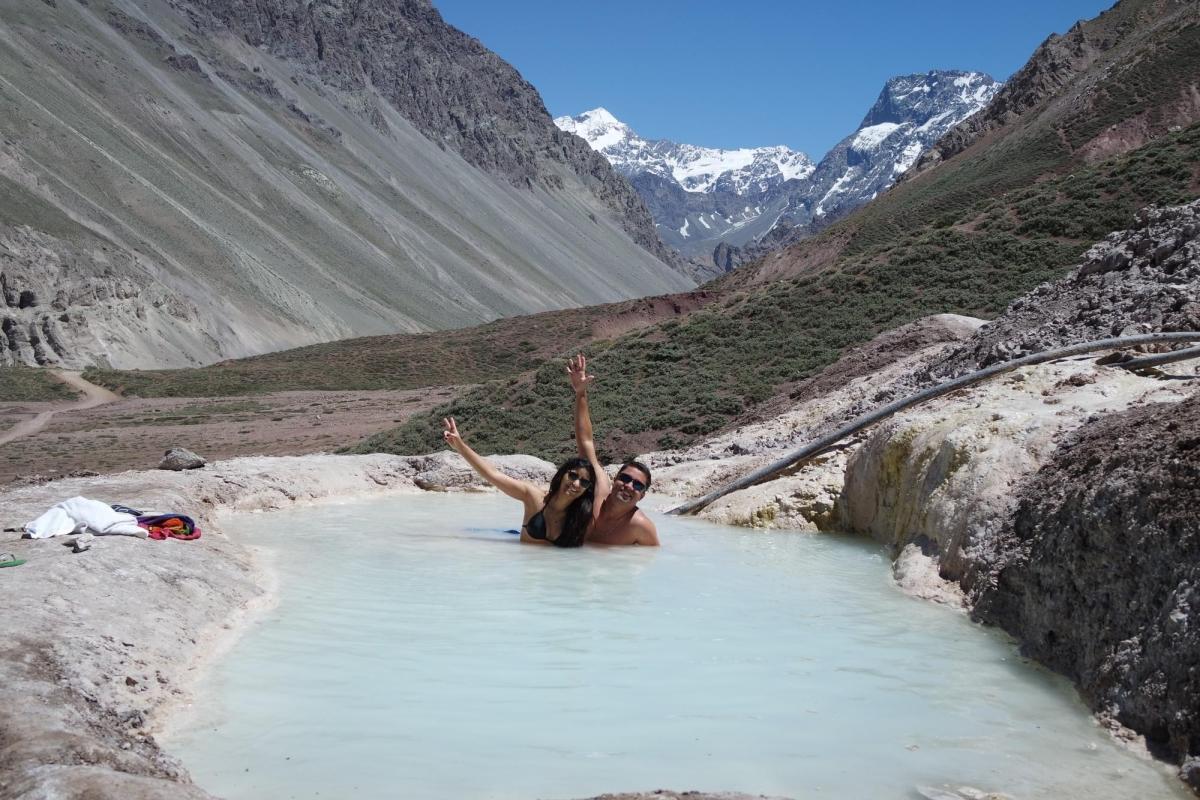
(758, 72)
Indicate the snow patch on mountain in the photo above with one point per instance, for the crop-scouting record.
(872, 136)
(745, 170)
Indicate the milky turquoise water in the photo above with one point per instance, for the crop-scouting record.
(420, 652)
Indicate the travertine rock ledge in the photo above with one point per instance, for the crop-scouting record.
(98, 645)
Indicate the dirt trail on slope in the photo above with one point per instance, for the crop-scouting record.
(93, 396)
(133, 432)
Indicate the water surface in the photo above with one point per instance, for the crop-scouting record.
(419, 651)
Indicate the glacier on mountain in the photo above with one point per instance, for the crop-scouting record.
(694, 168)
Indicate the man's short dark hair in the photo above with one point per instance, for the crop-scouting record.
(637, 465)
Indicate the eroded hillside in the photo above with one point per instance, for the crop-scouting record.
(185, 182)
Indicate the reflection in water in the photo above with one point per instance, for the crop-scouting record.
(420, 651)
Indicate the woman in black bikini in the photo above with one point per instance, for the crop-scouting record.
(561, 516)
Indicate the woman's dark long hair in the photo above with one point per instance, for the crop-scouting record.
(579, 513)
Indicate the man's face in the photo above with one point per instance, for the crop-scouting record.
(630, 485)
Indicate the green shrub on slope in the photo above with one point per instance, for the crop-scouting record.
(669, 385)
(26, 384)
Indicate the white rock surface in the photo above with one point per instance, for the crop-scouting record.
(945, 472)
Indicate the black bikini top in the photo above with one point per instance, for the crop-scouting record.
(536, 528)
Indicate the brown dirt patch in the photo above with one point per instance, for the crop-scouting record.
(810, 255)
(134, 433)
(648, 311)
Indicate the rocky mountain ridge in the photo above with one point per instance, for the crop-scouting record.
(1063, 60)
(183, 182)
(702, 198)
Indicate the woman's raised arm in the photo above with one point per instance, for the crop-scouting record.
(518, 490)
(585, 440)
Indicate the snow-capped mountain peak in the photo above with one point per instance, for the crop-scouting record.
(744, 171)
(597, 127)
(910, 114)
(701, 197)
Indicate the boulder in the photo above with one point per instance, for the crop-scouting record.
(446, 471)
(180, 458)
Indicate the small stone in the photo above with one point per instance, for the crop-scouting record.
(179, 458)
(82, 543)
(1190, 772)
(130, 680)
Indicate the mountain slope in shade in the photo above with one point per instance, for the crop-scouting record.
(186, 181)
(703, 197)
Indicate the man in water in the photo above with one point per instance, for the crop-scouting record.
(619, 520)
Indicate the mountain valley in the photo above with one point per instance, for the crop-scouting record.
(296, 236)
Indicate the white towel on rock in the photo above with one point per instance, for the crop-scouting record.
(79, 514)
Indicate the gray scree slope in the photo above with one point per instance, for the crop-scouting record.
(178, 186)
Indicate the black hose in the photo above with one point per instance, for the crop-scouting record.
(825, 442)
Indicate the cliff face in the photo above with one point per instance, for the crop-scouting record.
(1062, 498)
(1100, 575)
(182, 182)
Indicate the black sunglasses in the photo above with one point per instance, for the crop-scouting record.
(625, 477)
(572, 475)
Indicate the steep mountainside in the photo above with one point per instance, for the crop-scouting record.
(187, 181)
(1136, 82)
(702, 197)
(452, 88)
(1099, 59)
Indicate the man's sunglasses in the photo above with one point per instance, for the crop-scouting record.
(572, 475)
(625, 477)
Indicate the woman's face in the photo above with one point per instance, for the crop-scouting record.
(575, 481)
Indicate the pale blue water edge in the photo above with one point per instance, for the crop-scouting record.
(420, 652)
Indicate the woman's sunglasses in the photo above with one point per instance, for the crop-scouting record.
(625, 477)
(572, 475)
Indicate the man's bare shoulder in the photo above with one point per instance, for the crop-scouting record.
(645, 529)
(638, 529)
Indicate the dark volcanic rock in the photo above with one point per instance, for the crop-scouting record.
(1136, 281)
(726, 257)
(1098, 575)
(185, 63)
(453, 89)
